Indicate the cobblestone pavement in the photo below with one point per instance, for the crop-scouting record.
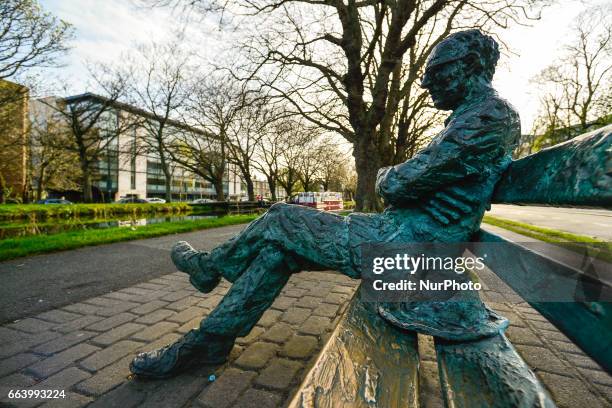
(85, 348)
(572, 377)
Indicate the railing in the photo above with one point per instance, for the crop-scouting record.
(241, 207)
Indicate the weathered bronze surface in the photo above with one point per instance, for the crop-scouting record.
(577, 172)
(440, 195)
(366, 363)
(488, 373)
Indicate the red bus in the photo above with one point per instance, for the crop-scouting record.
(327, 200)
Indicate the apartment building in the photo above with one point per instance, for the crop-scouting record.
(128, 169)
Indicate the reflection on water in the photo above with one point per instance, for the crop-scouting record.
(55, 226)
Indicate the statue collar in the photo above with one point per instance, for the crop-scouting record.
(470, 103)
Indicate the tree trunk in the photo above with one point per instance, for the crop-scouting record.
(168, 185)
(218, 185)
(367, 163)
(39, 187)
(250, 188)
(87, 190)
(2, 187)
(291, 181)
(248, 180)
(272, 186)
(325, 184)
(85, 175)
(167, 176)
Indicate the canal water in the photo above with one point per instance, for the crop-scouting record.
(24, 228)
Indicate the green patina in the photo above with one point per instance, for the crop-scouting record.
(440, 195)
(577, 172)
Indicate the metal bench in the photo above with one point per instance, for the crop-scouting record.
(369, 363)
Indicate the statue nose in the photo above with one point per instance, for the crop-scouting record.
(425, 82)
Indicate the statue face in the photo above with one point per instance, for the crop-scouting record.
(447, 83)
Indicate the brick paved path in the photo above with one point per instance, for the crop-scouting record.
(85, 348)
(573, 379)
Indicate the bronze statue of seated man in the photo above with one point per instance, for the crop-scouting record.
(440, 195)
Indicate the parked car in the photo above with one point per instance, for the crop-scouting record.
(202, 201)
(131, 200)
(156, 200)
(54, 201)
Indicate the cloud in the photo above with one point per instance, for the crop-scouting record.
(106, 29)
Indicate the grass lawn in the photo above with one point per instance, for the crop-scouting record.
(575, 242)
(39, 211)
(18, 247)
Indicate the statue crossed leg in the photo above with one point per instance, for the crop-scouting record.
(259, 262)
(439, 195)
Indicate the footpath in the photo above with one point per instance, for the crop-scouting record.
(85, 348)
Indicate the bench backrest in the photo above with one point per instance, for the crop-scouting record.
(575, 173)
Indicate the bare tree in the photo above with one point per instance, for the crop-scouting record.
(353, 67)
(310, 163)
(94, 122)
(334, 169)
(29, 37)
(50, 166)
(159, 75)
(294, 135)
(350, 184)
(204, 155)
(215, 105)
(268, 156)
(577, 88)
(245, 133)
(288, 179)
(13, 137)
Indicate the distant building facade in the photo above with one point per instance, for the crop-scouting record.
(127, 170)
(262, 189)
(13, 141)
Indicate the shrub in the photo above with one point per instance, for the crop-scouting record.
(41, 211)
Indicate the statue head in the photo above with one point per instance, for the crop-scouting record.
(460, 67)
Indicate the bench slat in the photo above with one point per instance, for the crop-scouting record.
(575, 173)
(487, 373)
(366, 363)
(535, 277)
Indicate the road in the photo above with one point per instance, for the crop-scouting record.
(38, 283)
(590, 222)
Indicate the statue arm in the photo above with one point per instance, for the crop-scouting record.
(465, 151)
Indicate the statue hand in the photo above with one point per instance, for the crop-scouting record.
(450, 205)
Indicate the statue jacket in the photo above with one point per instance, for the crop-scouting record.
(441, 194)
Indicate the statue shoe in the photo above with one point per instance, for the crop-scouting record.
(192, 262)
(187, 352)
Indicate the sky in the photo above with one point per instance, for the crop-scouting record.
(107, 29)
